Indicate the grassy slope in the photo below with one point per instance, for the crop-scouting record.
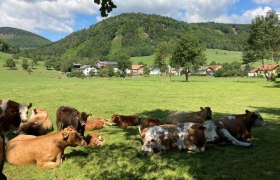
(217, 55)
(121, 156)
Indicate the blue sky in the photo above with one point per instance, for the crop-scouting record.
(55, 19)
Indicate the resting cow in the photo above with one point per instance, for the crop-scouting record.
(94, 139)
(68, 116)
(46, 151)
(149, 122)
(240, 125)
(96, 123)
(124, 121)
(11, 115)
(189, 136)
(198, 117)
(39, 123)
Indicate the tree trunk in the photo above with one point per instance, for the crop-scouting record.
(187, 76)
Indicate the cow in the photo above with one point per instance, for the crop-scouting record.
(39, 123)
(11, 115)
(46, 151)
(240, 125)
(94, 139)
(68, 116)
(198, 117)
(186, 136)
(124, 121)
(96, 123)
(149, 122)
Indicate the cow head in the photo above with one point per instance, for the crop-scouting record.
(207, 111)
(83, 118)
(72, 137)
(259, 122)
(94, 139)
(23, 112)
(151, 142)
(210, 131)
(115, 118)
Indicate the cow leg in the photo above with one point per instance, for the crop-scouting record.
(51, 164)
(193, 149)
(233, 140)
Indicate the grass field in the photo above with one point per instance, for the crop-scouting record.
(121, 156)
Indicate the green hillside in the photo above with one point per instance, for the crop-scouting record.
(22, 39)
(139, 35)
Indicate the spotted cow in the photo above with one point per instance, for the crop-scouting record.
(186, 136)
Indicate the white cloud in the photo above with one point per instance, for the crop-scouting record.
(36, 15)
(244, 18)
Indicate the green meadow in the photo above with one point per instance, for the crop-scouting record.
(156, 96)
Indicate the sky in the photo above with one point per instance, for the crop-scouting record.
(55, 19)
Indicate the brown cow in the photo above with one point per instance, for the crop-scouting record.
(94, 139)
(150, 122)
(198, 117)
(46, 151)
(11, 115)
(39, 123)
(68, 116)
(96, 123)
(240, 125)
(189, 136)
(124, 121)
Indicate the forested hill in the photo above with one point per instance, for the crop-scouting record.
(139, 34)
(21, 39)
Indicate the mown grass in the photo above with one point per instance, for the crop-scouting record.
(121, 156)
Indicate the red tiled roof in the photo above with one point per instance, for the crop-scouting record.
(136, 67)
(267, 67)
(254, 70)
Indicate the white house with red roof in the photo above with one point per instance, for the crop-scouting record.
(262, 69)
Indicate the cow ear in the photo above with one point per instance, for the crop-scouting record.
(201, 127)
(65, 135)
(201, 108)
(29, 106)
(247, 111)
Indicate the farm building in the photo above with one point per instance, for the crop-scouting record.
(103, 64)
(137, 70)
(155, 71)
(270, 69)
(209, 70)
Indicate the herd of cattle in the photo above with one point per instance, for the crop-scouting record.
(188, 131)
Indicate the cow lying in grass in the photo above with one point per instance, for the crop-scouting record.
(97, 123)
(124, 121)
(198, 117)
(46, 151)
(187, 136)
(94, 139)
(149, 122)
(240, 125)
(38, 124)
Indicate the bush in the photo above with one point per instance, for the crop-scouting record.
(76, 73)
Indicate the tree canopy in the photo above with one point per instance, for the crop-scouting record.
(263, 42)
(189, 53)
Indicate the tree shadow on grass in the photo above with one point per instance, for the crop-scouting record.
(124, 159)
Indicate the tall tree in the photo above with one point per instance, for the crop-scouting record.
(124, 62)
(263, 42)
(162, 56)
(189, 54)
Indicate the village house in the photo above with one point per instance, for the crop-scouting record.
(270, 69)
(208, 70)
(88, 70)
(137, 70)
